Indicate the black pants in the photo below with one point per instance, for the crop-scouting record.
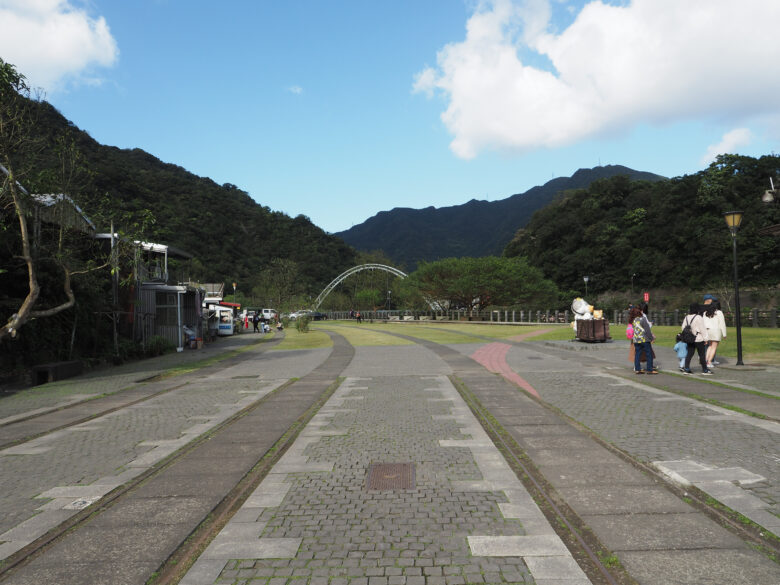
(701, 347)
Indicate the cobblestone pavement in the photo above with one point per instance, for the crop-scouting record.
(657, 426)
(48, 479)
(467, 518)
(110, 379)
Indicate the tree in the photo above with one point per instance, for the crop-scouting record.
(476, 283)
(37, 251)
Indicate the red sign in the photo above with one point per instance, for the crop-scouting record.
(647, 297)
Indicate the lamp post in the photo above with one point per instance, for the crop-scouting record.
(733, 221)
(586, 279)
(632, 282)
(388, 300)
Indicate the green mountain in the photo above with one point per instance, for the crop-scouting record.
(663, 234)
(476, 228)
(232, 237)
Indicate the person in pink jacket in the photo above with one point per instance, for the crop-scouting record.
(715, 323)
(696, 321)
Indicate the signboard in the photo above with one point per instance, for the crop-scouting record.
(647, 297)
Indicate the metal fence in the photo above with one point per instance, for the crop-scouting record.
(750, 317)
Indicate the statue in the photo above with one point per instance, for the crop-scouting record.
(596, 331)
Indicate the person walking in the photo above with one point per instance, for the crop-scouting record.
(642, 340)
(695, 321)
(715, 323)
(255, 321)
(681, 349)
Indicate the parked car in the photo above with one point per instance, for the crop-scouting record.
(268, 314)
(313, 315)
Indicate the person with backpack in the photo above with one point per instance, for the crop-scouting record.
(694, 335)
(642, 339)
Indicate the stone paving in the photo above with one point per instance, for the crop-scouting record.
(654, 425)
(466, 520)
(110, 379)
(48, 479)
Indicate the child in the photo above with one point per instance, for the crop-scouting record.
(682, 350)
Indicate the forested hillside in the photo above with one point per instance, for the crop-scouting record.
(231, 236)
(668, 233)
(474, 229)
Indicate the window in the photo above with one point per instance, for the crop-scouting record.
(167, 309)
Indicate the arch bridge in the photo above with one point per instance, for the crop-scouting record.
(354, 270)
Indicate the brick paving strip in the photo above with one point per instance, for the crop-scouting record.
(314, 520)
(724, 484)
(659, 538)
(106, 390)
(130, 539)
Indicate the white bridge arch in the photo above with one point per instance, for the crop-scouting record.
(354, 270)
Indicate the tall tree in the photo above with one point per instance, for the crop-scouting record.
(51, 249)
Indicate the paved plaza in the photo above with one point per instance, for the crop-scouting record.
(391, 478)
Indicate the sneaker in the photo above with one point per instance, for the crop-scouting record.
(714, 363)
(687, 372)
(682, 369)
(639, 371)
(707, 373)
(653, 372)
(710, 366)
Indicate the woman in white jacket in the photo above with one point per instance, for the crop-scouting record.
(716, 329)
(696, 321)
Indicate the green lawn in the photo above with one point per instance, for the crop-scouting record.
(311, 340)
(759, 345)
(359, 335)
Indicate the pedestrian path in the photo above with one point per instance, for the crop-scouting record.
(458, 514)
(55, 395)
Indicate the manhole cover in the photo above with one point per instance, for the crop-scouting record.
(390, 476)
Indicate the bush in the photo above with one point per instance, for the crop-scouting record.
(158, 345)
(302, 324)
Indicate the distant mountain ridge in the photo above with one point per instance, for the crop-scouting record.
(476, 228)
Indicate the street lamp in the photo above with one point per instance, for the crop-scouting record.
(586, 279)
(733, 221)
(388, 300)
(632, 283)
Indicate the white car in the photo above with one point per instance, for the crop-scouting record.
(268, 314)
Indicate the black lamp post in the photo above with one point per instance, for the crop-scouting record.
(586, 279)
(733, 221)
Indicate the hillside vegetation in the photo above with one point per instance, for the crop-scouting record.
(232, 237)
(474, 229)
(666, 234)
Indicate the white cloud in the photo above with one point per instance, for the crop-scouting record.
(52, 41)
(613, 67)
(729, 144)
(296, 89)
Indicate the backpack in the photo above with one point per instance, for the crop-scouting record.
(630, 331)
(639, 331)
(687, 335)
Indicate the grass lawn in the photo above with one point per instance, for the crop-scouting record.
(295, 340)
(359, 335)
(759, 345)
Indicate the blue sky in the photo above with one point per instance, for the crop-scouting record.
(340, 109)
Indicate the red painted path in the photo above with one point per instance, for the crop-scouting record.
(493, 357)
